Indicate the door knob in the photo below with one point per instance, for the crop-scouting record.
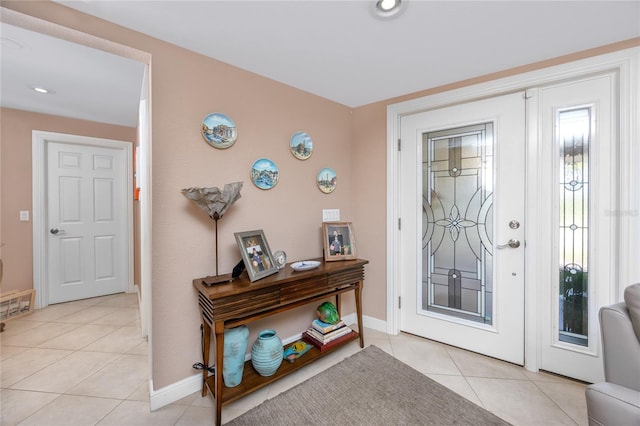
(56, 231)
(511, 244)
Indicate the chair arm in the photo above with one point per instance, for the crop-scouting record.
(621, 349)
(609, 404)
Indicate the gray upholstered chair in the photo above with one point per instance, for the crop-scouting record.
(617, 401)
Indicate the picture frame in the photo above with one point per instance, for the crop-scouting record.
(339, 241)
(256, 254)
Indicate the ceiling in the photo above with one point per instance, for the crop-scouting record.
(87, 83)
(339, 50)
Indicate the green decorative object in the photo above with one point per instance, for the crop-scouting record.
(328, 313)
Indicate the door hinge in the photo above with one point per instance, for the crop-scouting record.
(399, 224)
(399, 303)
(527, 94)
(399, 144)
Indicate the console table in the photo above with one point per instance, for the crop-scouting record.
(240, 302)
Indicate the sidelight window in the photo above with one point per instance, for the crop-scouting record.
(573, 133)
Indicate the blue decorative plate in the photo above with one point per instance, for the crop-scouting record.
(301, 145)
(327, 180)
(219, 130)
(264, 173)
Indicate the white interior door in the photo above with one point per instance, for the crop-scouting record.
(462, 235)
(579, 144)
(87, 239)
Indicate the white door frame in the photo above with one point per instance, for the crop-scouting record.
(627, 64)
(40, 139)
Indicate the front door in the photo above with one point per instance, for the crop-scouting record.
(462, 225)
(87, 239)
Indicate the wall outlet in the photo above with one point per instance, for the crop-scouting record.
(24, 215)
(330, 215)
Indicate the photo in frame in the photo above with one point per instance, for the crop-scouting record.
(256, 254)
(339, 241)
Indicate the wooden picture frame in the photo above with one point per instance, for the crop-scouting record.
(256, 254)
(339, 241)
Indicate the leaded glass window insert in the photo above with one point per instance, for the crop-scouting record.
(574, 127)
(457, 222)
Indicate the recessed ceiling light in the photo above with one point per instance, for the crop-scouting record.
(388, 8)
(42, 90)
(387, 5)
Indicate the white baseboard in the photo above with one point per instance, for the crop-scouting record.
(185, 387)
(374, 323)
(174, 392)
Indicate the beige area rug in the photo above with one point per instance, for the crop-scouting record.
(368, 388)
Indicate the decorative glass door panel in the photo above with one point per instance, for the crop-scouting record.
(574, 132)
(462, 171)
(457, 223)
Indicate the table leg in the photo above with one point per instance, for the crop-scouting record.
(206, 343)
(358, 295)
(219, 330)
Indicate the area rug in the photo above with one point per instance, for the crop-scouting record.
(369, 388)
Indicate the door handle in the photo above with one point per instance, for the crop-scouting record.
(56, 231)
(511, 244)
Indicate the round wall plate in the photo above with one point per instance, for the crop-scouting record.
(301, 145)
(219, 130)
(327, 180)
(264, 173)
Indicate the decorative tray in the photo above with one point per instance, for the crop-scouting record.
(305, 265)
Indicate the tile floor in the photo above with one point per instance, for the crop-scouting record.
(84, 363)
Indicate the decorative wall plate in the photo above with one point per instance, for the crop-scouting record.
(264, 173)
(219, 130)
(301, 145)
(327, 180)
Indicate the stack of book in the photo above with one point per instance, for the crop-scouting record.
(324, 336)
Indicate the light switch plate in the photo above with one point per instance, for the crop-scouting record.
(24, 215)
(330, 215)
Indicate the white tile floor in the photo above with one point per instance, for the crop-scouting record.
(84, 363)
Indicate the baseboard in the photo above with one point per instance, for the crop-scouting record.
(174, 392)
(369, 322)
(189, 385)
(375, 324)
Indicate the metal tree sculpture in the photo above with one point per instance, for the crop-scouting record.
(215, 203)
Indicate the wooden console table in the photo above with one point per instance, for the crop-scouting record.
(240, 302)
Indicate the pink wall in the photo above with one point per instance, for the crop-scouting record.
(15, 136)
(186, 87)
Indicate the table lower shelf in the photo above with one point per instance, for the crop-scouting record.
(252, 381)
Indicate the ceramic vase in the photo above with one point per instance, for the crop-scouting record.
(236, 341)
(266, 353)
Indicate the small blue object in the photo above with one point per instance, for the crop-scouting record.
(296, 350)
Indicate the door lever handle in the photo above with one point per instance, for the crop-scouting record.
(511, 244)
(56, 231)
